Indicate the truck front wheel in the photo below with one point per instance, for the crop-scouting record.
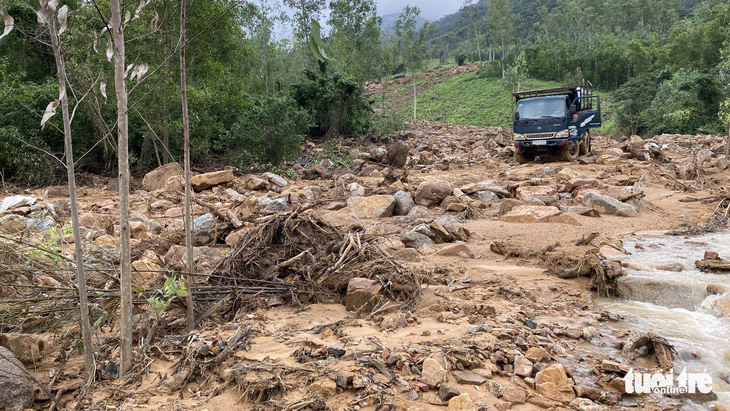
(523, 155)
(571, 151)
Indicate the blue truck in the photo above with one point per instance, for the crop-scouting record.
(557, 119)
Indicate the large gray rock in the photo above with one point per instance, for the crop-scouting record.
(486, 196)
(156, 179)
(608, 205)
(275, 179)
(403, 203)
(372, 206)
(16, 390)
(413, 239)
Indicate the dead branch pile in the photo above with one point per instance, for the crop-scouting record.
(299, 258)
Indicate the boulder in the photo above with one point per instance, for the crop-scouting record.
(403, 203)
(426, 230)
(419, 212)
(12, 224)
(447, 392)
(256, 183)
(275, 179)
(275, 205)
(432, 193)
(573, 184)
(344, 219)
(27, 348)
(493, 186)
(538, 214)
(212, 179)
(538, 194)
(515, 394)
(486, 196)
(553, 383)
(373, 206)
(608, 205)
(157, 178)
(147, 272)
(362, 295)
(723, 305)
(16, 390)
(432, 373)
(206, 230)
(438, 228)
(175, 183)
(138, 230)
(536, 354)
(413, 239)
(456, 250)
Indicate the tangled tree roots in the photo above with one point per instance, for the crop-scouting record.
(299, 258)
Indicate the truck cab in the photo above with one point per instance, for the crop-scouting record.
(554, 119)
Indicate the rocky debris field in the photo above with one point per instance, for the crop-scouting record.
(432, 272)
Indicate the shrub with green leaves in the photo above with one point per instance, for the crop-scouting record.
(336, 103)
(268, 133)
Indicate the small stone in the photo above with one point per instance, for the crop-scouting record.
(447, 392)
(590, 333)
(432, 373)
(355, 190)
(441, 231)
(536, 354)
(326, 387)
(138, 229)
(523, 367)
(495, 388)
(461, 402)
(468, 377)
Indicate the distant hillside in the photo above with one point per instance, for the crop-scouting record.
(389, 20)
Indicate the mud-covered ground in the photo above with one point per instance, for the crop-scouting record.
(506, 260)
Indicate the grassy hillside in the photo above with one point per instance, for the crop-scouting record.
(469, 99)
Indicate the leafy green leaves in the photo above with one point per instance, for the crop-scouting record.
(315, 42)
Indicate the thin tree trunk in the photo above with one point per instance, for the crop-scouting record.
(190, 315)
(414, 95)
(78, 246)
(125, 275)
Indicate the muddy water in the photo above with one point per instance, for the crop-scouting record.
(677, 304)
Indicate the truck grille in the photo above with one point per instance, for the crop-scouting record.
(540, 135)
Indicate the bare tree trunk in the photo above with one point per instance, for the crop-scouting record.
(190, 315)
(414, 94)
(125, 275)
(78, 248)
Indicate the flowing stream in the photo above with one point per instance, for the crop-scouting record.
(677, 305)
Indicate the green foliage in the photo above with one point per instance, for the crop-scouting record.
(386, 126)
(335, 102)
(460, 58)
(269, 131)
(172, 288)
(50, 246)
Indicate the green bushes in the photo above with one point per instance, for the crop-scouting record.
(269, 132)
(685, 102)
(336, 104)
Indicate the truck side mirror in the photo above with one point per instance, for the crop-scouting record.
(517, 115)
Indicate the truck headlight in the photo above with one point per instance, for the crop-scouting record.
(562, 134)
(518, 136)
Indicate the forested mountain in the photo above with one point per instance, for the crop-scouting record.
(254, 98)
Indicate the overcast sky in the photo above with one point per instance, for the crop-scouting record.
(430, 9)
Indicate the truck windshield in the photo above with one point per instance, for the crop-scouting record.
(541, 108)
